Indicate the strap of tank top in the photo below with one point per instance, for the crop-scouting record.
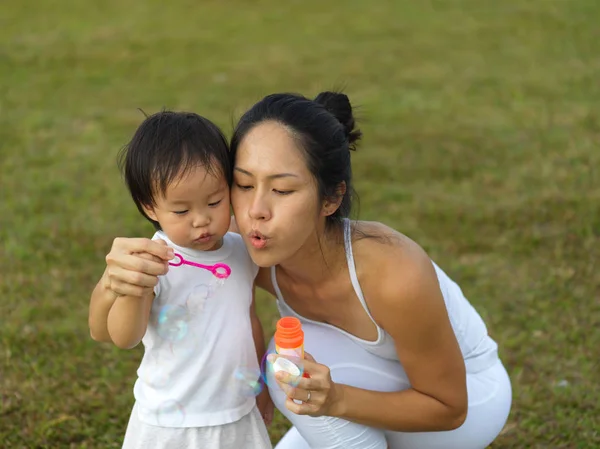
(352, 270)
(275, 284)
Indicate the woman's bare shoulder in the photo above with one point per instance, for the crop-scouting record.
(387, 259)
(371, 235)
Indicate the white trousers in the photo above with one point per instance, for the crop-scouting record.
(489, 391)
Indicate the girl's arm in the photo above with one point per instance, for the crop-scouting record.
(100, 303)
(133, 266)
(263, 400)
(128, 319)
(118, 319)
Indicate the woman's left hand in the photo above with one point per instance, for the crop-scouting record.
(320, 396)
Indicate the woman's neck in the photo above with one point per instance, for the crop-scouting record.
(321, 257)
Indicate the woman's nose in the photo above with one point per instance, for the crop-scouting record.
(259, 209)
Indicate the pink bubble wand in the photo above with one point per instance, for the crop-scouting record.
(220, 270)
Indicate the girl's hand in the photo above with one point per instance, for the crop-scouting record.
(134, 264)
(320, 396)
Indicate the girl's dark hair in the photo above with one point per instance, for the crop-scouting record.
(166, 146)
(325, 130)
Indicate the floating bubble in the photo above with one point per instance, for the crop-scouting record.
(293, 366)
(196, 300)
(248, 381)
(155, 372)
(185, 351)
(219, 282)
(157, 379)
(170, 414)
(172, 323)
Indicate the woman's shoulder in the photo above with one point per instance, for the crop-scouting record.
(388, 261)
(375, 239)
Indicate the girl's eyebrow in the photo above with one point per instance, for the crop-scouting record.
(179, 201)
(274, 176)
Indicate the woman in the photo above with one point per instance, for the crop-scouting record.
(398, 357)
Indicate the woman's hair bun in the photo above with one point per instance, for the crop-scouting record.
(339, 105)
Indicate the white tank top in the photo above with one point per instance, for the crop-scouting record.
(478, 349)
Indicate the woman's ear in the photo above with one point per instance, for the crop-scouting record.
(331, 204)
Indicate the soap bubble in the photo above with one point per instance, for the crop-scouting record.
(218, 282)
(170, 414)
(248, 381)
(157, 379)
(293, 366)
(172, 322)
(155, 372)
(196, 300)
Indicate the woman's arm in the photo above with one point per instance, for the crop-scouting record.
(413, 312)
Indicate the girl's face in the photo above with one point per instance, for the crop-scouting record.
(194, 212)
(274, 195)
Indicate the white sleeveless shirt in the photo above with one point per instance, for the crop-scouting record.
(478, 349)
(199, 349)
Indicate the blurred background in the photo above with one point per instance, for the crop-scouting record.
(481, 124)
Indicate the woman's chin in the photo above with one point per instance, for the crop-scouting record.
(262, 260)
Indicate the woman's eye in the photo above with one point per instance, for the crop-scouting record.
(283, 192)
(216, 203)
(243, 187)
(180, 212)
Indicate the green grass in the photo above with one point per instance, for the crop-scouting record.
(482, 128)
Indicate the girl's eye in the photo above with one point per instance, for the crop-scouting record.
(216, 203)
(180, 212)
(241, 187)
(283, 192)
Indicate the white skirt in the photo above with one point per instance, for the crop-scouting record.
(248, 432)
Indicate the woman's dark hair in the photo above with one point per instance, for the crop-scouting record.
(325, 130)
(167, 145)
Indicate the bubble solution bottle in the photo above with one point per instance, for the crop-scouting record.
(289, 337)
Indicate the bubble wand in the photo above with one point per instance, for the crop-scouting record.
(220, 270)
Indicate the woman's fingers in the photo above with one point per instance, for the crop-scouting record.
(305, 408)
(312, 395)
(134, 263)
(309, 357)
(152, 257)
(124, 289)
(138, 278)
(157, 247)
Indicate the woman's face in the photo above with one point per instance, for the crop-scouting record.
(274, 195)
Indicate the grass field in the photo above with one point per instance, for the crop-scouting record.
(482, 132)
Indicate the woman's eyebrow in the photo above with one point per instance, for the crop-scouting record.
(273, 176)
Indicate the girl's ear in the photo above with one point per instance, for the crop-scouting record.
(149, 211)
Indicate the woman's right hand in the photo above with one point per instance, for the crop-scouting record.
(134, 264)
